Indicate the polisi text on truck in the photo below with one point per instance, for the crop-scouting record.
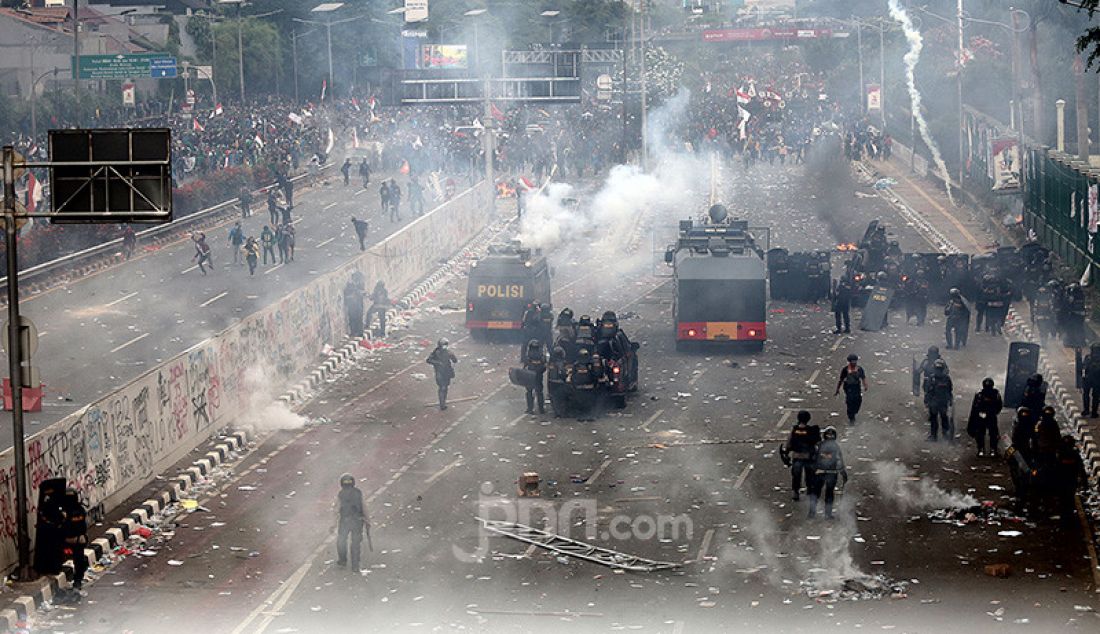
(500, 290)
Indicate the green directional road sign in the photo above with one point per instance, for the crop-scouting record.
(130, 66)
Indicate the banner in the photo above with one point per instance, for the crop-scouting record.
(128, 93)
(1004, 159)
(443, 56)
(416, 10)
(1094, 208)
(874, 97)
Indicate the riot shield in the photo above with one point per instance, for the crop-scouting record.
(874, 313)
(1078, 369)
(779, 273)
(916, 377)
(522, 377)
(1023, 361)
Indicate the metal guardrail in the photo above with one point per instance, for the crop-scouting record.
(72, 259)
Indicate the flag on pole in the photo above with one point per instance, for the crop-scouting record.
(354, 137)
(496, 112)
(295, 117)
(196, 126)
(324, 86)
(370, 103)
(218, 109)
(32, 184)
(331, 142)
(527, 183)
(743, 97)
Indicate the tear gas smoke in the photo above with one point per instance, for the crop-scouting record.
(897, 483)
(265, 412)
(554, 217)
(916, 43)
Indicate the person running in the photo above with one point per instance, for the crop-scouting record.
(202, 252)
(252, 254)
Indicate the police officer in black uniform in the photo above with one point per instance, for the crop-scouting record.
(443, 361)
(800, 451)
(534, 360)
(841, 297)
(1035, 394)
(983, 417)
(828, 466)
(916, 290)
(958, 320)
(351, 521)
(938, 393)
(854, 381)
(1073, 333)
(1090, 381)
(75, 531)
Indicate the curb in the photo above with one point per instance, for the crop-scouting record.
(45, 588)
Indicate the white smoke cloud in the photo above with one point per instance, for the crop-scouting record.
(265, 412)
(916, 43)
(899, 485)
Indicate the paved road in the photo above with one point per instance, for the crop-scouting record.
(697, 444)
(104, 330)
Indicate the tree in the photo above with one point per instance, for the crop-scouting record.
(1090, 41)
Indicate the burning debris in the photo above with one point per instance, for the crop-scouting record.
(861, 588)
(985, 514)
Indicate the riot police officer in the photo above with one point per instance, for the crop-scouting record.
(1070, 477)
(800, 451)
(986, 291)
(1035, 394)
(927, 365)
(983, 417)
(915, 288)
(1090, 381)
(828, 466)
(841, 297)
(351, 521)
(555, 380)
(532, 322)
(958, 320)
(1043, 314)
(1047, 439)
(443, 362)
(1073, 333)
(565, 319)
(534, 360)
(586, 332)
(583, 379)
(854, 382)
(938, 394)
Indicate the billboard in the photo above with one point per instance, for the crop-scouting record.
(764, 34)
(443, 56)
(874, 97)
(416, 10)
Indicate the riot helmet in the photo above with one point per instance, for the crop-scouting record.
(987, 383)
(1048, 412)
(829, 433)
(583, 355)
(347, 480)
(443, 343)
(933, 352)
(1023, 412)
(585, 320)
(955, 292)
(558, 352)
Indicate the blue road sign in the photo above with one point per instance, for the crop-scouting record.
(162, 68)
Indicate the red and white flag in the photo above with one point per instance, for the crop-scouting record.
(743, 97)
(196, 126)
(34, 192)
(527, 183)
(496, 112)
(324, 86)
(355, 104)
(218, 109)
(354, 137)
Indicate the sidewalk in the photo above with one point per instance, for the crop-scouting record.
(967, 229)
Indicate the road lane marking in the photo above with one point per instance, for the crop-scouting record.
(599, 470)
(122, 299)
(530, 551)
(783, 419)
(696, 377)
(130, 342)
(321, 244)
(274, 268)
(645, 425)
(744, 475)
(704, 548)
(186, 271)
(813, 377)
(442, 472)
(331, 205)
(838, 342)
(213, 299)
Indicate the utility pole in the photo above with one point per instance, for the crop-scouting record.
(487, 145)
(1082, 117)
(15, 370)
(882, 73)
(860, 94)
(240, 52)
(76, 58)
(645, 123)
(294, 54)
(331, 78)
(959, 90)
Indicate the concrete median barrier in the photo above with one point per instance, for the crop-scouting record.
(113, 447)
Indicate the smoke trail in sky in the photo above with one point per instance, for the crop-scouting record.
(916, 43)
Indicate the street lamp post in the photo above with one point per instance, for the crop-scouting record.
(328, 8)
(473, 13)
(34, 100)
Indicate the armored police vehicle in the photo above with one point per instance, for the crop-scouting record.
(720, 282)
(502, 285)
